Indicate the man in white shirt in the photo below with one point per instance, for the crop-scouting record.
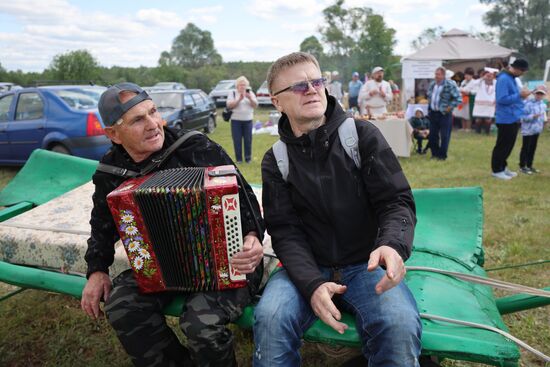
(375, 94)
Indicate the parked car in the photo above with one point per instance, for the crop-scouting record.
(5, 86)
(63, 119)
(169, 85)
(221, 91)
(186, 109)
(262, 95)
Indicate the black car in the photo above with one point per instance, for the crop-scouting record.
(186, 109)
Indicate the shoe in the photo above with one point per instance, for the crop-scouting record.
(525, 170)
(507, 172)
(533, 169)
(501, 175)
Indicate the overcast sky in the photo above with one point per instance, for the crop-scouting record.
(134, 33)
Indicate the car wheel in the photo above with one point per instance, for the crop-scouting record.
(58, 148)
(178, 125)
(210, 125)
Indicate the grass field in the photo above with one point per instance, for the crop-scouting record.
(46, 329)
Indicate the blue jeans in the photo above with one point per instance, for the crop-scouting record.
(388, 324)
(242, 130)
(440, 128)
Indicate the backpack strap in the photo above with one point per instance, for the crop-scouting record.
(349, 139)
(155, 162)
(281, 156)
(117, 171)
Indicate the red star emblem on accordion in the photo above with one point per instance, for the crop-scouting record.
(230, 204)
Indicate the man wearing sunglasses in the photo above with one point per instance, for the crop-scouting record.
(341, 233)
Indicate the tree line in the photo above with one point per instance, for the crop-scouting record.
(351, 39)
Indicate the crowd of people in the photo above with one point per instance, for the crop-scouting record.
(369, 97)
(468, 100)
(491, 96)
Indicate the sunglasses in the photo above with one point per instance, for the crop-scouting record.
(303, 87)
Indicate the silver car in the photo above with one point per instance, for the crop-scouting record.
(262, 95)
(221, 91)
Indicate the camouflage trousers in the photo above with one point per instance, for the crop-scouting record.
(141, 327)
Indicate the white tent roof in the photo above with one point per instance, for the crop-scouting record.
(459, 45)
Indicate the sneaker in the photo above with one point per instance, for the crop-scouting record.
(501, 175)
(525, 170)
(533, 170)
(507, 172)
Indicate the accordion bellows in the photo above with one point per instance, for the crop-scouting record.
(180, 227)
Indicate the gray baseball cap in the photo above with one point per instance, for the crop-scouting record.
(111, 108)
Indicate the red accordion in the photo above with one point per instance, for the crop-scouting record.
(180, 227)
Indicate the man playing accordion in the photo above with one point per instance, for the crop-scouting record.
(138, 134)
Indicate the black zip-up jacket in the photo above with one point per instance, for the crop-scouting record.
(197, 151)
(330, 213)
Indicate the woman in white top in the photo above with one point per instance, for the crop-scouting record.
(466, 89)
(242, 102)
(484, 104)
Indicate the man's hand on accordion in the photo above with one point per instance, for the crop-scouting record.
(97, 287)
(248, 259)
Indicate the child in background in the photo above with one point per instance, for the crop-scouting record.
(532, 122)
(421, 129)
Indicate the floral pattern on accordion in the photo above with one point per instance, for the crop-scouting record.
(137, 249)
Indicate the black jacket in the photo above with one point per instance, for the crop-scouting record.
(197, 151)
(330, 213)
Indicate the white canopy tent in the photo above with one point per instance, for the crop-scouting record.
(455, 50)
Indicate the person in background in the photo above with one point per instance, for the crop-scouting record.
(395, 104)
(484, 103)
(353, 90)
(335, 87)
(463, 110)
(532, 123)
(242, 103)
(366, 77)
(508, 112)
(443, 96)
(449, 74)
(421, 129)
(458, 77)
(375, 94)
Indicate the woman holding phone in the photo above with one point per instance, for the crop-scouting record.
(242, 102)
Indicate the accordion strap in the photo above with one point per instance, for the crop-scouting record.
(155, 162)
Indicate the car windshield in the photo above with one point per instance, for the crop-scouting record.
(225, 85)
(81, 98)
(94, 92)
(264, 85)
(167, 100)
